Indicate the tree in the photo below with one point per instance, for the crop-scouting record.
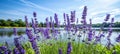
(20, 23)
(40, 24)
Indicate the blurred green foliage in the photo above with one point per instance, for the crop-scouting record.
(11, 23)
(20, 23)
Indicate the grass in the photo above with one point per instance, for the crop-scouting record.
(77, 48)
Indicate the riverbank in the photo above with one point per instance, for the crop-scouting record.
(12, 27)
(62, 28)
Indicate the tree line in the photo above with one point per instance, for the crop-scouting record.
(116, 24)
(20, 23)
(11, 23)
(16, 23)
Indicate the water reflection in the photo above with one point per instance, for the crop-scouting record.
(7, 34)
(9, 31)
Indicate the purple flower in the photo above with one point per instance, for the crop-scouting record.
(17, 43)
(50, 21)
(19, 46)
(72, 16)
(112, 20)
(5, 50)
(76, 29)
(90, 31)
(64, 15)
(118, 38)
(29, 33)
(56, 19)
(35, 20)
(15, 31)
(32, 40)
(102, 35)
(97, 38)
(34, 14)
(90, 36)
(52, 26)
(36, 23)
(26, 21)
(34, 46)
(34, 26)
(47, 23)
(16, 51)
(69, 48)
(68, 23)
(54, 31)
(84, 14)
(110, 30)
(60, 51)
(107, 17)
(46, 33)
(22, 51)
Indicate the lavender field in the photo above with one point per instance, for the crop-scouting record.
(59, 27)
(74, 37)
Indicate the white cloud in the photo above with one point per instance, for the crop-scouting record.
(98, 17)
(112, 12)
(37, 6)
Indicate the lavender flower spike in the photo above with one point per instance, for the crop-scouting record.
(64, 17)
(50, 21)
(56, 19)
(90, 31)
(69, 48)
(72, 16)
(46, 33)
(118, 38)
(47, 23)
(34, 14)
(16, 51)
(109, 34)
(26, 21)
(3, 48)
(19, 46)
(107, 17)
(35, 19)
(84, 14)
(68, 26)
(32, 40)
(112, 21)
(60, 51)
(15, 31)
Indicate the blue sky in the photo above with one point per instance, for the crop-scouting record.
(97, 9)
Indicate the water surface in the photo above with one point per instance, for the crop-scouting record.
(6, 34)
